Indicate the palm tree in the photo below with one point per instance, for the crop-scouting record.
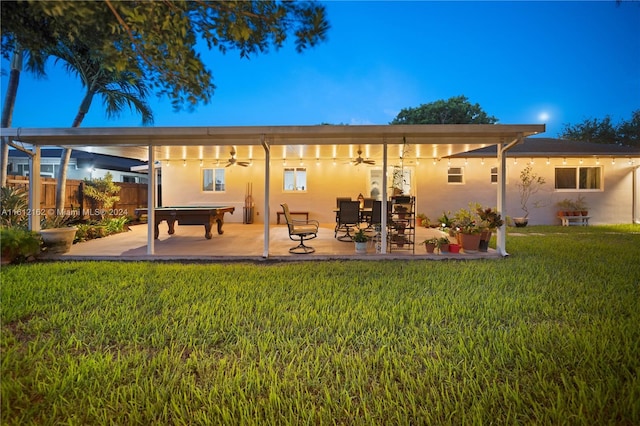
(35, 65)
(119, 89)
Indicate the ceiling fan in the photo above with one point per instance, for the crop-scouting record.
(360, 160)
(232, 161)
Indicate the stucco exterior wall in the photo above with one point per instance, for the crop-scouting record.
(434, 195)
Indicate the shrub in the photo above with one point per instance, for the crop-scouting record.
(18, 244)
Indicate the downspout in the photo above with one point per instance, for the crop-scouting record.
(501, 234)
(151, 203)
(267, 196)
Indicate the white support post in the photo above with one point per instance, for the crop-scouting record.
(383, 208)
(35, 186)
(151, 202)
(501, 202)
(267, 195)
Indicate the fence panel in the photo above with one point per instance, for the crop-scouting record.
(132, 195)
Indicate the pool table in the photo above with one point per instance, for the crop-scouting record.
(189, 215)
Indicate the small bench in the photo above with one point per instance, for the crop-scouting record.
(575, 220)
(305, 214)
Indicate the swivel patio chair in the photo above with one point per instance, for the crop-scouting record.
(301, 230)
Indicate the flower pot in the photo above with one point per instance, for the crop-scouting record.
(470, 242)
(485, 237)
(520, 222)
(361, 247)
(454, 248)
(584, 212)
(430, 247)
(58, 240)
(444, 248)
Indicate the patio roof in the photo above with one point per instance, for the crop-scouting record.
(133, 142)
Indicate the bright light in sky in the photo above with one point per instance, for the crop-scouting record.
(543, 116)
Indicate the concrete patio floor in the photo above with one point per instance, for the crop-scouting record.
(240, 242)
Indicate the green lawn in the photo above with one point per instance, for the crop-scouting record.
(549, 335)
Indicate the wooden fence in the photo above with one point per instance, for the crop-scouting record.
(132, 196)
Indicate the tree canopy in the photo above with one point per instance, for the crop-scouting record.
(626, 132)
(159, 39)
(455, 110)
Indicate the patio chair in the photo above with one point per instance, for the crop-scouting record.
(365, 216)
(301, 230)
(348, 218)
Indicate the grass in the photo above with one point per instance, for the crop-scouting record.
(549, 335)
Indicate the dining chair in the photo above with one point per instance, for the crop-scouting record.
(348, 218)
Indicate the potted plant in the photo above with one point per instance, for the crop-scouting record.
(400, 227)
(529, 184)
(491, 221)
(565, 207)
(446, 224)
(401, 211)
(422, 220)
(468, 228)
(581, 206)
(430, 244)
(360, 240)
(443, 245)
(58, 233)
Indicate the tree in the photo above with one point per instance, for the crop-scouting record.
(156, 41)
(455, 110)
(591, 130)
(605, 131)
(118, 89)
(629, 131)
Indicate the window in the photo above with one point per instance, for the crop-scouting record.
(494, 175)
(213, 180)
(454, 175)
(295, 179)
(578, 178)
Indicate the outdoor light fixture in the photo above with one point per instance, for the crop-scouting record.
(184, 163)
(548, 161)
(515, 161)
(564, 161)
(482, 161)
(598, 161)
(613, 161)
(581, 161)
(531, 161)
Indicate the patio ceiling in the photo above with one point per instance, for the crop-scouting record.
(295, 142)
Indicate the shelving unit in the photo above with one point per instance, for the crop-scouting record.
(402, 224)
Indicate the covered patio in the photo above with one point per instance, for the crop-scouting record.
(241, 242)
(263, 146)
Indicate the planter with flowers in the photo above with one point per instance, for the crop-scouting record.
(468, 229)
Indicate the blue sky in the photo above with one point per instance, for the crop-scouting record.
(523, 62)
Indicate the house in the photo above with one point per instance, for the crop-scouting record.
(308, 167)
(83, 165)
(605, 176)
